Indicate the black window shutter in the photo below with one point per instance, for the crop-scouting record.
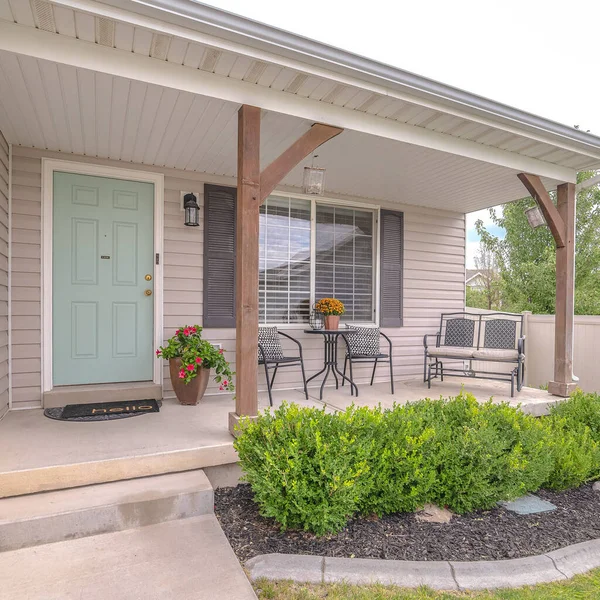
(219, 256)
(391, 255)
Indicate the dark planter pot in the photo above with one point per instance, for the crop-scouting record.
(191, 393)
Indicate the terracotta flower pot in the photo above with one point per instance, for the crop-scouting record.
(192, 392)
(332, 321)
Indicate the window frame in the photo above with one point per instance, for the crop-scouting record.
(314, 200)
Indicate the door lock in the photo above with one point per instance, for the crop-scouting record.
(148, 292)
(148, 277)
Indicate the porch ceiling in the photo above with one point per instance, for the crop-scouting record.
(168, 32)
(62, 108)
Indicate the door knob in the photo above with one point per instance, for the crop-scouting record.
(148, 292)
(148, 277)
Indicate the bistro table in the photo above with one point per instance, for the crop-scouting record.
(330, 337)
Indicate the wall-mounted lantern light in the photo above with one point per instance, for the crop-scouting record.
(192, 210)
(535, 217)
(313, 182)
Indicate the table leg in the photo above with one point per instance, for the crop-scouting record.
(353, 387)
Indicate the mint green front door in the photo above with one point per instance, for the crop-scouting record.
(103, 249)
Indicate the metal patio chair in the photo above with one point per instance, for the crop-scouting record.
(270, 355)
(364, 347)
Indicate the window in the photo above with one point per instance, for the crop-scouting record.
(294, 270)
(284, 260)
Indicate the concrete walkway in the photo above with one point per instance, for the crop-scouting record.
(439, 575)
(187, 559)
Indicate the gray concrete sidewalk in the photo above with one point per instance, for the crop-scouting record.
(187, 559)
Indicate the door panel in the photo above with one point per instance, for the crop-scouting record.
(103, 246)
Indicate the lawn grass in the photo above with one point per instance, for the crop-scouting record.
(582, 587)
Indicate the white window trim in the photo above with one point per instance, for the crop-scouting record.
(376, 210)
(49, 166)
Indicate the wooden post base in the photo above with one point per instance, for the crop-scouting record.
(564, 390)
(234, 421)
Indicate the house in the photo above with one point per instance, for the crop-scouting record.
(111, 111)
(475, 279)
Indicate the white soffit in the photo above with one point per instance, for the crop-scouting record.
(59, 107)
(174, 44)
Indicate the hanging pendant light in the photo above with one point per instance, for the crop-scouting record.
(192, 210)
(313, 182)
(535, 217)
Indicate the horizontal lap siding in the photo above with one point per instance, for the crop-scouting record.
(433, 279)
(4, 223)
(182, 262)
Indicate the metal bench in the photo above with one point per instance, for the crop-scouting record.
(496, 337)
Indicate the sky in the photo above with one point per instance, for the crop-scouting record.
(541, 56)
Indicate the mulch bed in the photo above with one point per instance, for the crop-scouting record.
(484, 535)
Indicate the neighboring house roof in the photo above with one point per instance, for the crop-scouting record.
(472, 274)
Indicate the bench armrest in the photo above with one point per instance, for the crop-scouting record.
(521, 345)
(428, 335)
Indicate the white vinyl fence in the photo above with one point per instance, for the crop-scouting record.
(539, 350)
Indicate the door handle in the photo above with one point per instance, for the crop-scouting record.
(148, 277)
(148, 292)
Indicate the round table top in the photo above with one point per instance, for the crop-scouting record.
(332, 331)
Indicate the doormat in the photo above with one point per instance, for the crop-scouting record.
(102, 411)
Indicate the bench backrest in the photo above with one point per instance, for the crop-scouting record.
(473, 330)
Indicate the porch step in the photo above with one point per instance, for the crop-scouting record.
(188, 559)
(108, 507)
(105, 392)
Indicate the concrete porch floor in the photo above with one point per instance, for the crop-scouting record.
(38, 454)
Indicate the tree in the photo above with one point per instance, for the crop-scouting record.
(488, 294)
(526, 257)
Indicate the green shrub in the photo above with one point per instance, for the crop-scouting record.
(308, 469)
(484, 453)
(580, 410)
(576, 455)
(313, 470)
(399, 466)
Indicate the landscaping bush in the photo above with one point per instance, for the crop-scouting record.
(575, 454)
(308, 469)
(574, 441)
(400, 467)
(580, 409)
(313, 470)
(484, 453)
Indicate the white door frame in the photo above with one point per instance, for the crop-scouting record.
(49, 166)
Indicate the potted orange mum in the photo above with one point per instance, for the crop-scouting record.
(332, 309)
(190, 361)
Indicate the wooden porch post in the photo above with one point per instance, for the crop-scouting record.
(246, 300)
(563, 383)
(561, 221)
(253, 187)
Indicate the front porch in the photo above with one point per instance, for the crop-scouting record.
(182, 438)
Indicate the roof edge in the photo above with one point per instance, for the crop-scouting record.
(234, 26)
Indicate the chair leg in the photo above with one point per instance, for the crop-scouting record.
(304, 377)
(373, 373)
(391, 375)
(345, 365)
(429, 376)
(268, 384)
(441, 371)
(351, 377)
(274, 373)
(425, 368)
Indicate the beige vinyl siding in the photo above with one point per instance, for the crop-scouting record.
(434, 282)
(4, 225)
(433, 278)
